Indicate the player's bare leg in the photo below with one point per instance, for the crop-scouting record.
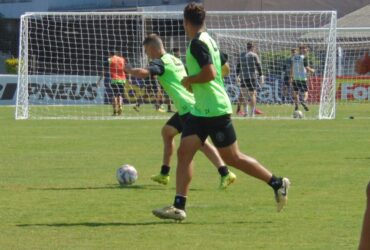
(168, 135)
(365, 239)
(188, 147)
(252, 104)
(227, 177)
(119, 101)
(304, 102)
(185, 153)
(233, 157)
(296, 100)
(242, 103)
(114, 104)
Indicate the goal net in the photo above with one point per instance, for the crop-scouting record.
(64, 69)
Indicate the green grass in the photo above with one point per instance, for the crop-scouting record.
(58, 187)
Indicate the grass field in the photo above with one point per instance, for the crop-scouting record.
(58, 188)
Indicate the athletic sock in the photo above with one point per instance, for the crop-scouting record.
(179, 202)
(223, 170)
(165, 170)
(275, 182)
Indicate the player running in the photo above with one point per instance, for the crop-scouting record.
(170, 71)
(210, 117)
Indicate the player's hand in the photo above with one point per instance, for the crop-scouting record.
(128, 68)
(262, 80)
(186, 83)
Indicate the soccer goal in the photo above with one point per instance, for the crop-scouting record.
(64, 69)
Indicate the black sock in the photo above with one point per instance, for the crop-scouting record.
(223, 171)
(275, 182)
(179, 202)
(165, 170)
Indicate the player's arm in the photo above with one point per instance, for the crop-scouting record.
(308, 68)
(224, 64)
(208, 71)
(155, 68)
(137, 72)
(257, 63)
(291, 72)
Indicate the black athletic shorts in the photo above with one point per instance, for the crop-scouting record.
(300, 86)
(117, 89)
(250, 84)
(219, 128)
(177, 121)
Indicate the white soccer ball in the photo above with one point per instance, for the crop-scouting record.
(126, 175)
(297, 114)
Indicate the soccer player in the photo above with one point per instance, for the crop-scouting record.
(365, 234)
(210, 116)
(118, 79)
(286, 76)
(298, 74)
(169, 70)
(248, 63)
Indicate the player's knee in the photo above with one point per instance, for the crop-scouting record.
(368, 191)
(167, 133)
(231, 159)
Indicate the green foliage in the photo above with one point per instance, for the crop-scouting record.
(58, 188)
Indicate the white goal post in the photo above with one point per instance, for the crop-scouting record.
(64, 70)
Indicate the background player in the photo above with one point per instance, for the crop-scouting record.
(298, 75)
(248, 64)
(118, 79)
(286, 74)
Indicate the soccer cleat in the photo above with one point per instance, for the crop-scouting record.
(170, 212)
(227, 180)
(136, 108)
(281, 195)
(258, 111)
(241, 113)
(161, 179)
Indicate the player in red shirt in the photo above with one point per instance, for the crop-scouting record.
(117, 66)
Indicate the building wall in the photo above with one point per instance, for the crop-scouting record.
(15, 8)
(343, 7)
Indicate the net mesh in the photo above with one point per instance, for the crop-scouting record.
(64, 73)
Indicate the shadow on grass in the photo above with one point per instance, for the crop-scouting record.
(94, 224)
(113, 186)
(357, 158)
(109, 224)
(154, 187)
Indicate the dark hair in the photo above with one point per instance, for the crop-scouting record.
(195, 14)
(114, 52)
(249, 46)
(153, 40)
(175, 50)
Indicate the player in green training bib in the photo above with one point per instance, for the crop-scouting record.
(170, 70)
(210, 117)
